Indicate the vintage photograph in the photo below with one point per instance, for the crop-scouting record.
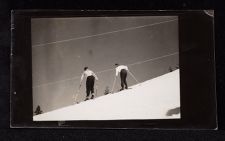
(105, 68)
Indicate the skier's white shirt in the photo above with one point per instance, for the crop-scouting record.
(119, 68)
(88, 73)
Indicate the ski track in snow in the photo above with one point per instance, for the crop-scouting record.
(149, 100)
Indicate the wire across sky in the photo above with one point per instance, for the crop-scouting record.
(102, 34)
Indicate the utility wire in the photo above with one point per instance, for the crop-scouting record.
(106, 70)
(101, 34)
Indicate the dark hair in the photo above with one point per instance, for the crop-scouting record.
(116, 64)
(85, 68)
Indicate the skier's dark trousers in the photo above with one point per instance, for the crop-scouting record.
(90, 81)
(122, 70)
(123, 77)
(90, 85)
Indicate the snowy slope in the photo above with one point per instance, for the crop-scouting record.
(151, 99)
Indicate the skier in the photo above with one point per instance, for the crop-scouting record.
(90, 80)
(122, 69)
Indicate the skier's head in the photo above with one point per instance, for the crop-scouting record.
(85, 68)
(116, 64)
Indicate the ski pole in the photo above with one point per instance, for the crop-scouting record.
(134, 77)
(75, 99)
(96, 90)
(113, 84)
(76, 96)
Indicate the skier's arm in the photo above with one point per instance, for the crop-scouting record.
(117, 71)
(81, 79)
(95, 75)
(126, 68)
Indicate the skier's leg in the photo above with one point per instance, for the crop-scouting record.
(125, 80)
(88, 88)
(92, 86)
(122, 77)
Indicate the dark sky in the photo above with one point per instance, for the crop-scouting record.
(62, 47)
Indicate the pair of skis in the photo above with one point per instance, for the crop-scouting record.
(115, 81)
(75, 96)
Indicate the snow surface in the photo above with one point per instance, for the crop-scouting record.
(151, 99)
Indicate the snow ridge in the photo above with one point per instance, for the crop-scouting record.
(151, 99)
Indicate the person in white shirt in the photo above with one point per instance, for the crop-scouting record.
(122, 70)
(90, 80)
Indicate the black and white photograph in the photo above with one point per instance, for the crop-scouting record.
(105, 68)
(113, 69)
